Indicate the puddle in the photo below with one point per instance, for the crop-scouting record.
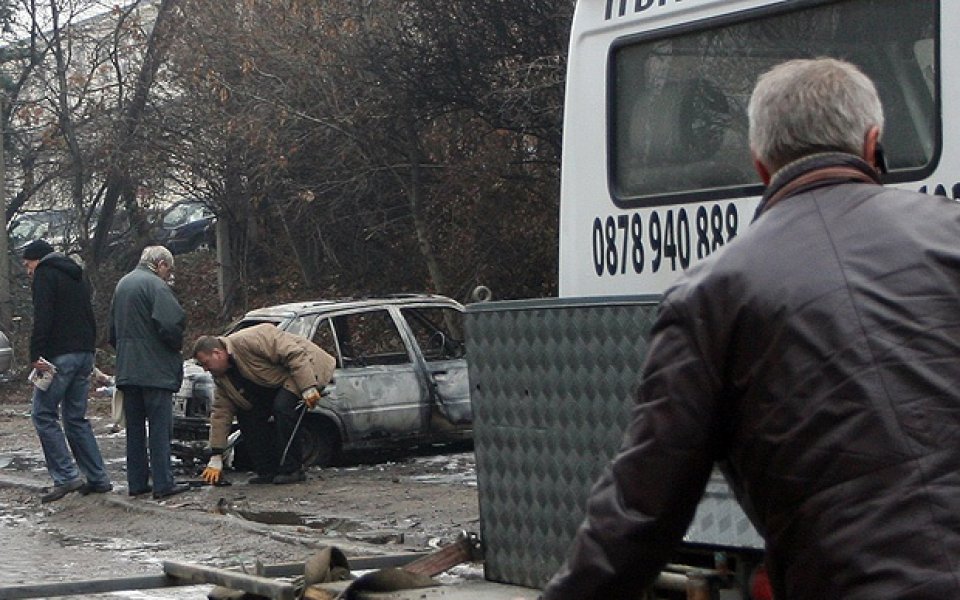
(328, 526)
(21, 462)
(456, 469)
(119, 545)
(383, 533)
(467, 479)
(323, 524)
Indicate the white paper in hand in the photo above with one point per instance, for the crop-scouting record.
(43, 379)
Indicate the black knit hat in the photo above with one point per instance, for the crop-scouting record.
(36, 250)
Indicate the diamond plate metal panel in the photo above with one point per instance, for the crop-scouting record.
(552, 383)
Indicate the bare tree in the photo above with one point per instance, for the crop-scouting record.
(120, 182)
(375, 147)
(65, 115)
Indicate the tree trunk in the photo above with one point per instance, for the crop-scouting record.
(6, 307)
(421, 224)
(10, 97)
(67, 129)
(231, 241)
(119, 183)
(307, 266)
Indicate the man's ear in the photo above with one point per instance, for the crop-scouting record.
(870, 142)
(762, 170)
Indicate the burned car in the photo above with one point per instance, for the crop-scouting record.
(400, 379)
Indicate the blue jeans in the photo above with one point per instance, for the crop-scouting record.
(142, 405)
(68, 392)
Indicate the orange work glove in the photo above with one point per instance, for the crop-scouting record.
(214, 471)
(310, 396)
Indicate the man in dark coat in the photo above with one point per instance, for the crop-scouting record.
(63, 343)
(146, 328)
(818, 356)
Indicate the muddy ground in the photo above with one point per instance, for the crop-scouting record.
(407, 503)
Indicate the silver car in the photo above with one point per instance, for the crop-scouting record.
(401, 376)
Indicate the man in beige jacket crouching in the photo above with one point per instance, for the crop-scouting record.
(262, 372)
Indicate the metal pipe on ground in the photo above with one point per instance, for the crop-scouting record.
(361, 563)
(96, 586)
(150, 582)
(261, 586)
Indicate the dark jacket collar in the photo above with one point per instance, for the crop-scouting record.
(61, 262)
(816, 170)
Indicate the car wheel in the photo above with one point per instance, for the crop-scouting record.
(321, 442)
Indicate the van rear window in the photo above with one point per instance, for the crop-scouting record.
(678, 121)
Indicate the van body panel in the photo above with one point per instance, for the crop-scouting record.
(647, 79)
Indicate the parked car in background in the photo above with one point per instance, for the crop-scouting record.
(51, 225)
(6, 354)
(400, 380)
(187, 226)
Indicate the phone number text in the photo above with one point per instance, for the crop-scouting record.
(661, 240)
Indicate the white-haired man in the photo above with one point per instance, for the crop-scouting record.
(146, 328)
(817, 357)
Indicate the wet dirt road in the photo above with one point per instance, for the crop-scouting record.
(34, 552)
(406, 504)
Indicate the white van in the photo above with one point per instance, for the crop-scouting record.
(656, 168)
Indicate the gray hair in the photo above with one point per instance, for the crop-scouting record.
(803, 107)
(152, 255)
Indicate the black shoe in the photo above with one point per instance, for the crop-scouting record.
(89, 488)
(178, 488)
(261, 479)
(59, 491)
(142, 492)
(285, 478)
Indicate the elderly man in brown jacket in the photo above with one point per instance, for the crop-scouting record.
(262, 372)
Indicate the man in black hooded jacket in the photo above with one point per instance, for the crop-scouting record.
(64, 336)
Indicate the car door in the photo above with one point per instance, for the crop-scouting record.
(438, 333)
(376, 390)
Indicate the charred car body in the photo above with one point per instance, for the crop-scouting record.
(401, 376)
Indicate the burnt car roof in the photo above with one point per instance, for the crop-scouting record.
(296, 308)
